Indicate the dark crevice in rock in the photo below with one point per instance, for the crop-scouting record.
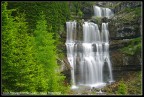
(121, 38)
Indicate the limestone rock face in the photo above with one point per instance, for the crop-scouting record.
(124, 27)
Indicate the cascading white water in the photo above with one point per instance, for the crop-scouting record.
(102, 12)
(105, 41)
(93, 56)
(70, 44)
(92, 66)
(97, 11)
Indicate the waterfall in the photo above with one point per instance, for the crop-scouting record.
(97, 11)
(102, 12)
(70, 44)
(88, 63)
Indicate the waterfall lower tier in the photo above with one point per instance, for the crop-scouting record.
(89, 62)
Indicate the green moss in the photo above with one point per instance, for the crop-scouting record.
(138, 11)
(130, 12)
(129, 15)
(97, 19)
(133, 48)
(116, 5)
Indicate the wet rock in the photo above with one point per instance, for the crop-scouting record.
(105, 20)
(88, 12)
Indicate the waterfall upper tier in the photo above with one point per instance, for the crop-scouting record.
(103, 12)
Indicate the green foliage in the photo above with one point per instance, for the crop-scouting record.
(7, 33)
(57, 13)
(44, 49)
(28, 60)
(135, 85)
(136, 11)
(80, 13)
(130, 84)
(133, 48)
(122, 88)
(46, 56)
(76, 6)
(18, 67)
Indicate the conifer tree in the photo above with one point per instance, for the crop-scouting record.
(18, 67)
(46, 56)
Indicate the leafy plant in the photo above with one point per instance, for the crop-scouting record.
(122, 88)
